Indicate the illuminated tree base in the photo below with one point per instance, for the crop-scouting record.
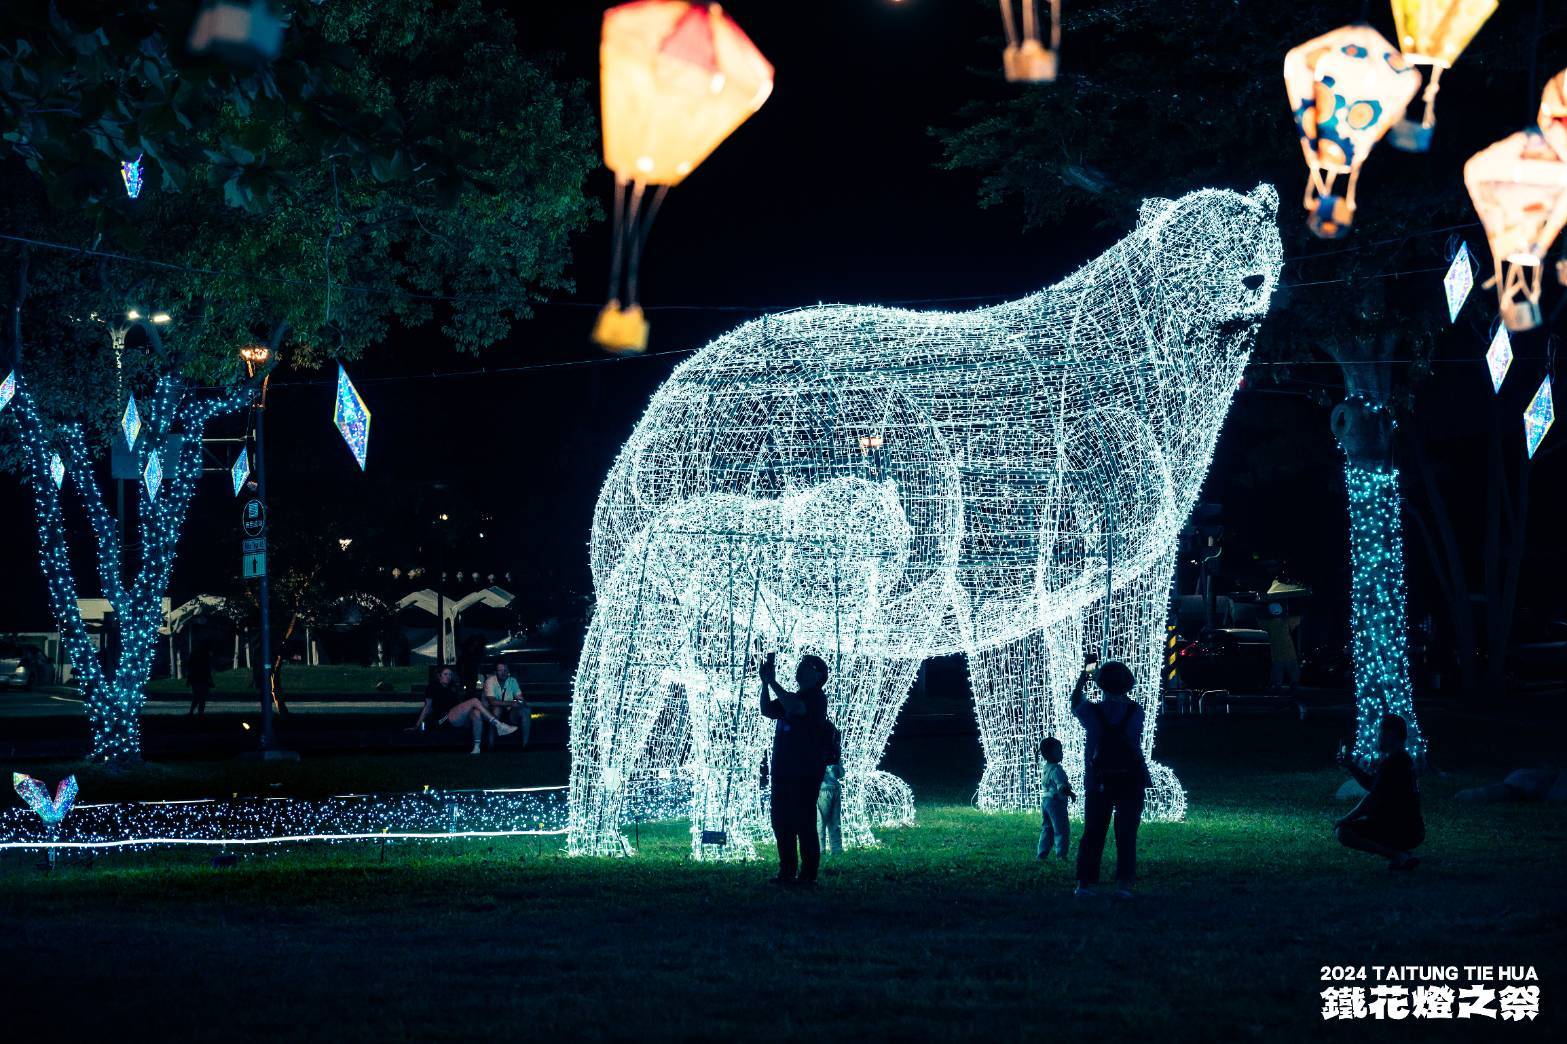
(1377, 607)
(878, 486)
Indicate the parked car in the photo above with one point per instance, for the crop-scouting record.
(1234, 658)
(24, 666)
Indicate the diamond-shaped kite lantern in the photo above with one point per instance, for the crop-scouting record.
(7, 389)
(240, 471)
(1538, 417)
(57, 470)
(352, 417)
(130, 173)
(1499, 356)
(1458, 282)
(152, 474)
(130, 423)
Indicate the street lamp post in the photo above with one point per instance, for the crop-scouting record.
(256, 356)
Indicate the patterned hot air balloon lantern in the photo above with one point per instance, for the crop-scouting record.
(1434, 33)
(1346, 89)
(676, 80)
(1519, 189)
(1027, 59)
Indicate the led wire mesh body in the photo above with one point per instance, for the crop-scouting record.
(1027, 58)
(877, 486)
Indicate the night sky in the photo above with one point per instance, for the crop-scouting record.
(830, 193)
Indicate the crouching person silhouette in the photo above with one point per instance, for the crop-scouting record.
(1387, 821)
(800, 752)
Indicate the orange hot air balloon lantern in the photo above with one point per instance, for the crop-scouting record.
(1346, 89)
(1026, 58)
(1519, 189)
(1434, 33)
(676, 79)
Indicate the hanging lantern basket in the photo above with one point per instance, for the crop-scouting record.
(1028, 58)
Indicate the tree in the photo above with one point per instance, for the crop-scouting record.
(402, 162)
(1155, 99)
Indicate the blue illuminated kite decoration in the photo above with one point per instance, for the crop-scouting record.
(152, 474)
(1458, 282)
(7, 389)
(1538, 417)
(50, 810)
(131, 174)
(352, 417)
(1499, 357)
(130, 423)
(240, 472)
(57, 470)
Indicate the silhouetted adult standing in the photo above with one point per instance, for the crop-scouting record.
(800, 752)
(198, 675)
(1115, 775)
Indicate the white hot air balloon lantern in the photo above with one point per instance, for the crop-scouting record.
(1519, 190)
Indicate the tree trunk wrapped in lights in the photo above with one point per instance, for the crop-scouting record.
(676, 79)
(1346, 88)
(1363, 424)
(875, 486)
(1434, 33)
(171, 432)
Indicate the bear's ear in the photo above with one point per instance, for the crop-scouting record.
(1267, 197)
(1150, 209)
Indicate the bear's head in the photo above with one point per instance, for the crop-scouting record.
(1212, 257)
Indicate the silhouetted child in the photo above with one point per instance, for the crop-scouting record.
(1387, 821)
(829, 805)
(1055, 829)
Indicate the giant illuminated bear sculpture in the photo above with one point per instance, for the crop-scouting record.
(879, 486)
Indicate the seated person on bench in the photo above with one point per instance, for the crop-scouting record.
(502, 691)
(444, 705)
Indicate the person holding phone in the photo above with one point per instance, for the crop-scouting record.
(1115, 774)
(1387, 821)
(801, 739)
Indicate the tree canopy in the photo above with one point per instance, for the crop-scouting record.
(402, 163)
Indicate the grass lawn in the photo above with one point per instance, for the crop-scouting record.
(948, 930)
(334, 679)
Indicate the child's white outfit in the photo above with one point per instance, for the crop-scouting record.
(829, 809)
(1056, 829)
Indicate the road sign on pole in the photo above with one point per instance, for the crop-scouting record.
(255, 565)
(253, 516)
